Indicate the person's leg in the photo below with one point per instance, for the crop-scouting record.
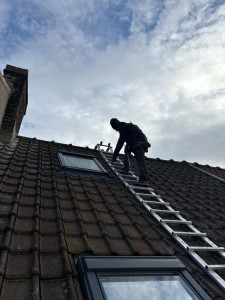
(139, 153)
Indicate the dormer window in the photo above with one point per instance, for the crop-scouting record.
(80, 162)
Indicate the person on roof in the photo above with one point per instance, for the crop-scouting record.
(136, 142)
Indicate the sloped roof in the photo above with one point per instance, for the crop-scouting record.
(198, 196)
(48, 216)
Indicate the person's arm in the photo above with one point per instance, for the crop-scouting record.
(119, 145)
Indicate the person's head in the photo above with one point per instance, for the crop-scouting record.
(115, 123)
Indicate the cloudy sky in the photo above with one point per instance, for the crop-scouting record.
(157, 63)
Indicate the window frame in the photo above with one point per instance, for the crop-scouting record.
(90, 157)
(90, 268)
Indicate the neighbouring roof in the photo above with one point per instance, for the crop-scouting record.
(48, 216)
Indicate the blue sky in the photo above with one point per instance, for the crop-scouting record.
(159, 64)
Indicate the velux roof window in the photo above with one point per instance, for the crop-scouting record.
(141, 286)
(156, 278)
(80, 162)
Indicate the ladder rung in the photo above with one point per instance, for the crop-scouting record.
(155, 202)
(106, 152)
(189, 233)
(194, 248)
(124, 175)
(117, 164)
(215, 267)
(131, 180)
(166, 211)
(127, 174)
(149, 195)
(141, 187)
(175, 221)
(118, 169)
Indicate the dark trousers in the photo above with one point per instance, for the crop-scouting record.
(139, 153)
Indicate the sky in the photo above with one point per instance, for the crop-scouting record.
(157, 63)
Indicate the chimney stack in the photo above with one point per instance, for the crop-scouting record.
(13, 102)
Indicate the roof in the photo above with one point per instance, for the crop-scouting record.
(199, 197)
(48, 216)
(216, 171)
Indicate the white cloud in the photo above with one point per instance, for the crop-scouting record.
(167, 74)
(4, 10)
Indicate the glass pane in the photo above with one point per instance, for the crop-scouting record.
(146, 288)
(80, 162)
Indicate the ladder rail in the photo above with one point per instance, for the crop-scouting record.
(149, 192)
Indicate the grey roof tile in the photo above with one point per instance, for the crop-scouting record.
(58, 289)
(23, 225)
(17, 289)
(52, 266)
(19, 266)
(48, 216)
(123, 247)
(49, 244)
(26, 211)
(21, 242)
(78, 244)
(49, 227)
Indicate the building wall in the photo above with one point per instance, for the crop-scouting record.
(4, 96)
(15, 107)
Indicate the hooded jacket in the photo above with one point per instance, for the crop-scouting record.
(131, 134)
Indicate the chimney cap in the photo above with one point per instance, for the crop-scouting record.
(20, 71)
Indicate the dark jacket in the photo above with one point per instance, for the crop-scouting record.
(131, 134)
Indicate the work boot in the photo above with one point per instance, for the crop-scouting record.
(142, 182)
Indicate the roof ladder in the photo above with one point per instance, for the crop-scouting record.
(147, 197)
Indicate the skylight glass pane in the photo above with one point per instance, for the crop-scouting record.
(80, 162)
(146, 287)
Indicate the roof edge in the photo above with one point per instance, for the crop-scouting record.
(203, 171)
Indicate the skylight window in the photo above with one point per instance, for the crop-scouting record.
(80, 162)
(113, 278)
(160, 287)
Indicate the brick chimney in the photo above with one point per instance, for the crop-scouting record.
(13, 102)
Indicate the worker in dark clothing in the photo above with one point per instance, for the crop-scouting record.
(136, 143)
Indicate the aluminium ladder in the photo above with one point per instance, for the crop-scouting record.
(141, 193)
